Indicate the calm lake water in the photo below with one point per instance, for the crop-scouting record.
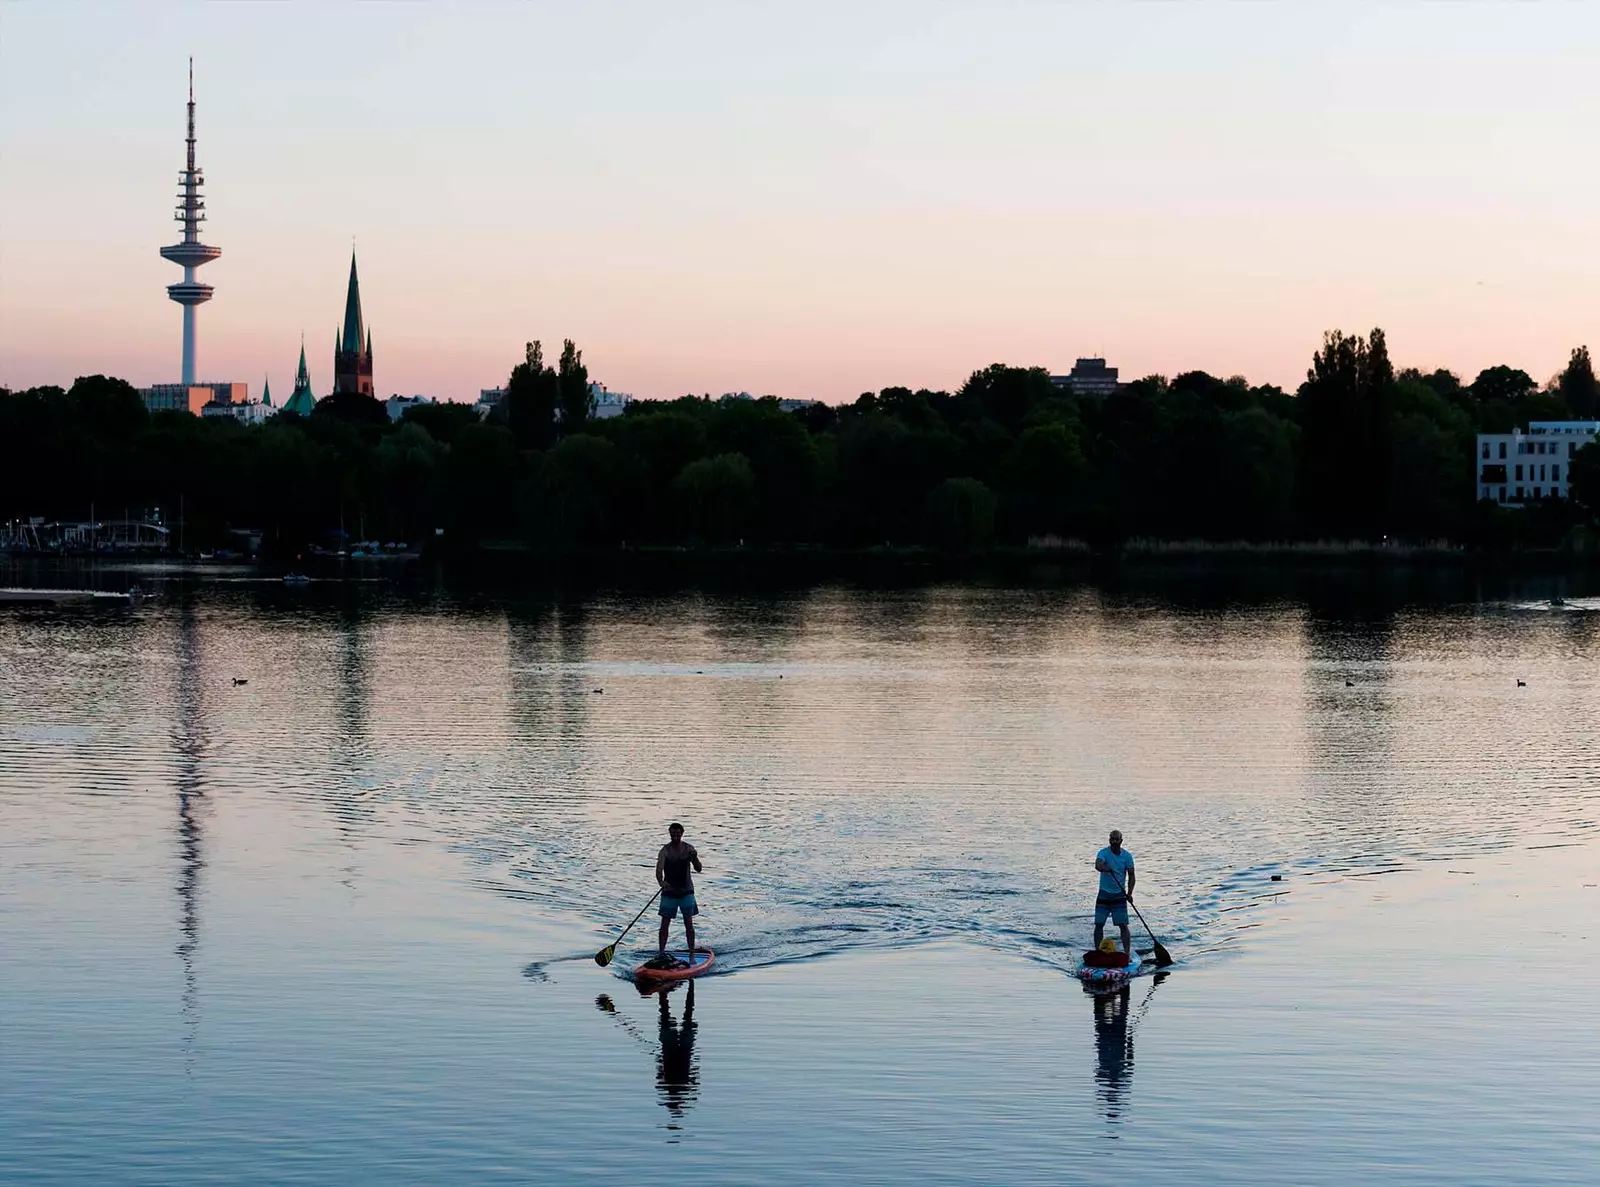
(335, 924)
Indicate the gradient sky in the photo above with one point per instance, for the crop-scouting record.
(806, 199)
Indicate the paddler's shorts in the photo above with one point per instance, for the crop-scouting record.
(671, 904)
(1117, 908)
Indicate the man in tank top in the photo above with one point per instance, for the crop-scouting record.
(1116, 887)
(677, 887)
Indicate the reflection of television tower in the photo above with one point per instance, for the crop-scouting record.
(191, 253)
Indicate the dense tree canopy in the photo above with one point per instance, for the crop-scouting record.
(1359, 452)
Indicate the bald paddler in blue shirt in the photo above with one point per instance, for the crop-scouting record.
(1116, 887)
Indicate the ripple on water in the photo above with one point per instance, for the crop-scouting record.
(937, 764)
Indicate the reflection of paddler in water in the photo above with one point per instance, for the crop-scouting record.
(1113, 1048)
(1113, 1045)
(677, 1077)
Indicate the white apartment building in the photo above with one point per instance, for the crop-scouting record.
(607, 403)
(398, 406)
(489, 399)
(246, 412)
(1523, 467)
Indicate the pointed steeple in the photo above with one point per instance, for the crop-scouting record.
(352, 311)
(352, 366)
(266, 391)
(302, 401)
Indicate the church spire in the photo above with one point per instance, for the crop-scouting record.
(302, 401)
(353, 334)
(352, 343)
(266, 391)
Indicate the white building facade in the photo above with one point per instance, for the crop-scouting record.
(605, 404)
(246, 412)
(1524, 467)
(398, 406)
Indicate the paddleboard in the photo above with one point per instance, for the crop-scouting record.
(1095, 975)
(703, 959)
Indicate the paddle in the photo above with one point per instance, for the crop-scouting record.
(603, 957)
(1163, 957)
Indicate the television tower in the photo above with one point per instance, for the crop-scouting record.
(190, 253)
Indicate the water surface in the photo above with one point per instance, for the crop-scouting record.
(334, 922)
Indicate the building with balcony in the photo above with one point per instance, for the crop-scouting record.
(1526, 466)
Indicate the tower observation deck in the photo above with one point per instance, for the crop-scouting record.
(190, 253)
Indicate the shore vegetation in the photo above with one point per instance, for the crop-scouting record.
(1361, 452)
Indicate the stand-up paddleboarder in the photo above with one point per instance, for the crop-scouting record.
(677, 887)
(1116, 888)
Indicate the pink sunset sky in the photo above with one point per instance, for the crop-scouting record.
(809, 200)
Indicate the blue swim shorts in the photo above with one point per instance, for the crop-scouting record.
(1117, 908)
(671, 904)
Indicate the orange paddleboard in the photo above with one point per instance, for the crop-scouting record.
(703, 959)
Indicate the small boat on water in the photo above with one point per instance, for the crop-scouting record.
(296, 579)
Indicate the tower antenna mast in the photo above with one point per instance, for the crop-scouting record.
(190, 253)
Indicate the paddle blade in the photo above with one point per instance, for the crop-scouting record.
(1163, 957)
(603, 957)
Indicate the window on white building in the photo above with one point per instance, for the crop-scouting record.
(1519, 471)
(1502, 451)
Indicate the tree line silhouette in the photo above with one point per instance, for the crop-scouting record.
(1360, 452)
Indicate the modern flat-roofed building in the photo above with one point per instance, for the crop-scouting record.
(606, 404)
(489, 400)
(1525, 466)
(192, 397)
(1088, 377)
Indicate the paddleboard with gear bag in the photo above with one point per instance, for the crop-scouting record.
(675, 966)
(1107, 966)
